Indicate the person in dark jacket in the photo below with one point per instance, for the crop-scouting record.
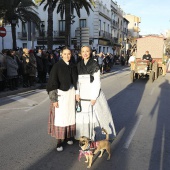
(61, 88)
(12, 70)
(51, 62)
(25, 67)
(148, 57)
(32, 68)
(39, 66)
(45, 60)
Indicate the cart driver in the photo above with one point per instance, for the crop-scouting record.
(148, 57)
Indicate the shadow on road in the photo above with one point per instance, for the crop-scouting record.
(160, 154)
(124, 107)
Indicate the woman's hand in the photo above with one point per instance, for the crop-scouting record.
(93, 102)
(55, 104)
(77, 97)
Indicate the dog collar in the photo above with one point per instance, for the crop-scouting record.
(88, 147)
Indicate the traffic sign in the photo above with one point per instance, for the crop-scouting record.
(2, 32)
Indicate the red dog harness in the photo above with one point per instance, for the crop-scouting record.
(89, 151)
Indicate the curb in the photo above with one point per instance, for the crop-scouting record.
(20, 90)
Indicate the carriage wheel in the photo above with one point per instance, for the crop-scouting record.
(132, 76)
(152, 76)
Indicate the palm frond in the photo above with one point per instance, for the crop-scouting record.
(93, 3)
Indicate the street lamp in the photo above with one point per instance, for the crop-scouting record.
(14, 21)
(125, 44)
(13, 25)
(42, 30)
(1, 22)
(1, 25)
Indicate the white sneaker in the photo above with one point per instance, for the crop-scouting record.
(59, 149)
(70, 142)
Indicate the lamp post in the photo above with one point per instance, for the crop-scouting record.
(1, 22)
(13, 25)
(42, 31)
(125, 41)
(1, 25)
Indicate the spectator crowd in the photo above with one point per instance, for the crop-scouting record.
(24, 67)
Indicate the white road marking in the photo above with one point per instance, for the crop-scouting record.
(153, 89)
(41, 91)
(47, 98)
(130, 137)
(20, 108)
(24, 100)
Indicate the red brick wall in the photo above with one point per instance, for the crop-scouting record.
(153, 44)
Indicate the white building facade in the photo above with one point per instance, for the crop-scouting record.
(104, 29)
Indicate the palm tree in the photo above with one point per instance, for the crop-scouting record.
(23, 10)
(51, 4)
(67, 7)
(64, 7)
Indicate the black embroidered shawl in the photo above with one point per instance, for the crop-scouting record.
(62, 76)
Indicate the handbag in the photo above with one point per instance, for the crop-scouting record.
(78, 106)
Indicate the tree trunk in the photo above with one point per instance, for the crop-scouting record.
(13, 29)
(50, 27)
(67, 23)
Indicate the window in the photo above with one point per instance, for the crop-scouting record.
(100, 49)
(104, 50)
(62, 25)
(24, 27)
(104, 26)
(82, 23)
(100, 24)
(108, 28)
(24, 45)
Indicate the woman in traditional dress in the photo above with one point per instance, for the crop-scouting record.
(61, 88)
(95, 112)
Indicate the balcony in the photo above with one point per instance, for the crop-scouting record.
(105, 35)
(39, 35)
(114, 40)
(22, 35)
(114, 23)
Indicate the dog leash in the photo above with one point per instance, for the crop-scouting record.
(92, 126)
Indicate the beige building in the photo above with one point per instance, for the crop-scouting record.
(133, 26)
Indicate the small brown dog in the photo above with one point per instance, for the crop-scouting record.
(90, 148)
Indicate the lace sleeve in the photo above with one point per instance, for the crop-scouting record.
(53, 95)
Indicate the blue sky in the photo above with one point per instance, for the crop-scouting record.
(155, 14)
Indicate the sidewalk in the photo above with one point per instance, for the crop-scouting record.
(6, 93)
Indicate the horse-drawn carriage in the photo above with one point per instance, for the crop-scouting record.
(144, 68)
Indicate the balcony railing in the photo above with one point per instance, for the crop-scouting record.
(104, 34)
(41, 34)
(56, 34)
(114, 23)
(22, 35)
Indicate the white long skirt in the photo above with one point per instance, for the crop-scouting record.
(91, 119)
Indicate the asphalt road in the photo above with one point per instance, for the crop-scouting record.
(141, 116)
